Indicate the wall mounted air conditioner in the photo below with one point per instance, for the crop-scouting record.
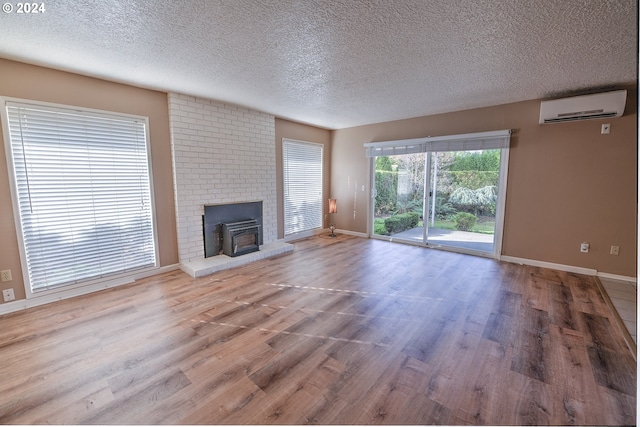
(596, 106)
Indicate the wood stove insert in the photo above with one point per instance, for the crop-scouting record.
(239, 238)
(227, 213)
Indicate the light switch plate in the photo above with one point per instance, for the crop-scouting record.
(8, 295)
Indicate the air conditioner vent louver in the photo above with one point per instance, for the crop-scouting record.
(580, 117)
(596, 106)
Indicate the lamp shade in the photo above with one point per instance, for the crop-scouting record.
(333, 207)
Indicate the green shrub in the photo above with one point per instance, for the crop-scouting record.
(465, 221)
(401, 222)
(474, 179)
(485, 160)
(464, 198)
(444, 209)
(479, 200)
(378, 227)
(409, 205)
(386, 192)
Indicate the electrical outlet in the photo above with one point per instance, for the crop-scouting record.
(615, 250)
(606, 128)
(584, 247)
(8, 295)
(5, 276)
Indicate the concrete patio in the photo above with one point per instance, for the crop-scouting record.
(459, 239)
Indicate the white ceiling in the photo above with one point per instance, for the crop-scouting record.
(337, 63)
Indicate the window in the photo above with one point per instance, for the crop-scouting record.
(302, 163)
(444, 191)
(82, 193)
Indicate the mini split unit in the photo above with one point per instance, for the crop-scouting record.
(596, 106)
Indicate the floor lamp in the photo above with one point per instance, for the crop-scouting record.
(333, 208)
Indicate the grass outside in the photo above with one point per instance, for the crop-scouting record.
(484, 226)
(481, 226)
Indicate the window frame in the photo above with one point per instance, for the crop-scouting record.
(310, 231)
(461, 142)
(96, 283)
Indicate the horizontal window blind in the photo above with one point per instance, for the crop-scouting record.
(462, 142)
(302, 164)
(84, 193)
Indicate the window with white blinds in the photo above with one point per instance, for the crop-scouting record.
(302, 164)
(83, 193)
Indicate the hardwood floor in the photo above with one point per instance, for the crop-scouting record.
(340, 331)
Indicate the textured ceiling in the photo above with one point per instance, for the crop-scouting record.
(338, 63)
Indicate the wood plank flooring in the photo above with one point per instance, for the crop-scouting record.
(340, 331)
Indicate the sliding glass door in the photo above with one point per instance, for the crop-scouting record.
(464, 195)
(449, 198)
(399, 200)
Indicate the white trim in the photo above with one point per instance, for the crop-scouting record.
(66, 107)
(618, 277)
(371, 204)
(551, 265)
(304, 234)
(460, 142)
(351, 233)
(568, 268)
(467, 136)
(461, 250)
(4, 118)
(23, 304)
(371, 200)
(498, 230)
(456, 249)
(429, 194)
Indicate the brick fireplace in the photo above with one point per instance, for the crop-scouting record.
(221, 154)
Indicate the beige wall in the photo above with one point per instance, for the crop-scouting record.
(567, 183)
(300, 132)
(43, 84)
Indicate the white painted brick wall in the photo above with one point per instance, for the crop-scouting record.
(221, 154)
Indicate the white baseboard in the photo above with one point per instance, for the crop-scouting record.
(352, 233)
(305, 234)
(23, 304)
(551, 265)
(316, 231)
(568, 268)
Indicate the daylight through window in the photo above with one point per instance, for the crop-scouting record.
(302, 163)
(83, 193)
